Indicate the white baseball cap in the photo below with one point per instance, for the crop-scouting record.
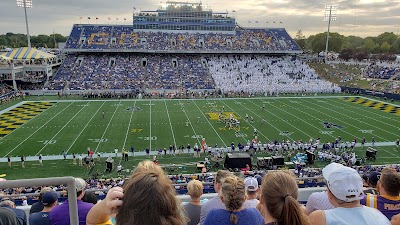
(251, 184)
(344, 182)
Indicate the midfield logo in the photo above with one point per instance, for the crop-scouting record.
(330, 125)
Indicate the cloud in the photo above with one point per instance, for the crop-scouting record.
(358, 17)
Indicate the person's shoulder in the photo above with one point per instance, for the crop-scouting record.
(318, 217)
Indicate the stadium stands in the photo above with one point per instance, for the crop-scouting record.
(125, 37)
(381, 71)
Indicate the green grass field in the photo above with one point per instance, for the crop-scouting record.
(75, 125)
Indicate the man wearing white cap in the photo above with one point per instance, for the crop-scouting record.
(251, 186)
(345, 190)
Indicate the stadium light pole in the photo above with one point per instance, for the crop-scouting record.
(330, 15)
(26, 4)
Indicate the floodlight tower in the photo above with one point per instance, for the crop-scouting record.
(26, 4)
(330, 15)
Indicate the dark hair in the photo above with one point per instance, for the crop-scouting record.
(89, 197)
(279, 193)
(149, 199)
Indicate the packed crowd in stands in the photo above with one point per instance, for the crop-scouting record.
(124, 37)
(382, 71)
(99, 72)
(266, 74)
(267, 198)
(5, 89)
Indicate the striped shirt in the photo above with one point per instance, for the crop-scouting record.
(388, 205)
(318, 201)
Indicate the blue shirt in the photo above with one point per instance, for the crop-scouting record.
(39, 218)
(249, 216)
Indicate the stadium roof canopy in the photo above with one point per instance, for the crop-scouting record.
(26, 53)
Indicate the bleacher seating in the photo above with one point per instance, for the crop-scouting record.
(382, 71)
(124, 37)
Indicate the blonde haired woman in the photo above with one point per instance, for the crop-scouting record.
(233, 195)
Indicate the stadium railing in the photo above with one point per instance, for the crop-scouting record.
(69, 181)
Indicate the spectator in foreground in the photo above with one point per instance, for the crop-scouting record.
(148, 199)
(215, 202)
(345, 190)
(252, 191)
(21, 216)
(7, 217)
(60, 214)
(372, 181)
(38, 206)
(395, 220)
(193, 208)
(318, 201)
(388, 200)
(233, 195)
(278, 200)
(49, 201)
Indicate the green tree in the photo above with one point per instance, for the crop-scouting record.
(369, 44)
(385, 47)
(300, 39)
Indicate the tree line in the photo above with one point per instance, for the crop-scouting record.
(11, 40)
(383, 46)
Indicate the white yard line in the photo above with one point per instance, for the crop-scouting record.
(351, 125)
(336, 111)
(129, 126)
(59, 131)
(368, 111)
(279, 118)
(210, 124)
(304, 120)
(170, 125)
(97, 147)
(258, 131)
(150, 137)
(37, 130)
(191, 125)
(84, 128)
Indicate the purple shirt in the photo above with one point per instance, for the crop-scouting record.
(389, 206)
(60, 214)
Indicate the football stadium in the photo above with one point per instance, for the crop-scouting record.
(187, 116)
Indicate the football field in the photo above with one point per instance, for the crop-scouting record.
(52, 127)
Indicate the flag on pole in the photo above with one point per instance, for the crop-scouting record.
(88, 18)
(117, 18)
(249, 21)
(97, 18)
(124, 18)
(280, 21)
(233, 11)
(109, 18)
(80, 17)
(267, 22)
(134, 8)
(256, 21)
(273, 22)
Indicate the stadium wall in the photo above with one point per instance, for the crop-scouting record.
(370, 93)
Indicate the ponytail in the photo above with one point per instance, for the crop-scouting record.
(291, 212)
(233, 218)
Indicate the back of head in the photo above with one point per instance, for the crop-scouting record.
(279, 193)
(195, 188)
(80, 186)
(233, 194)
(390, 181)
(221, 175)
(90, 197)
(147, 165)
(149, 198)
